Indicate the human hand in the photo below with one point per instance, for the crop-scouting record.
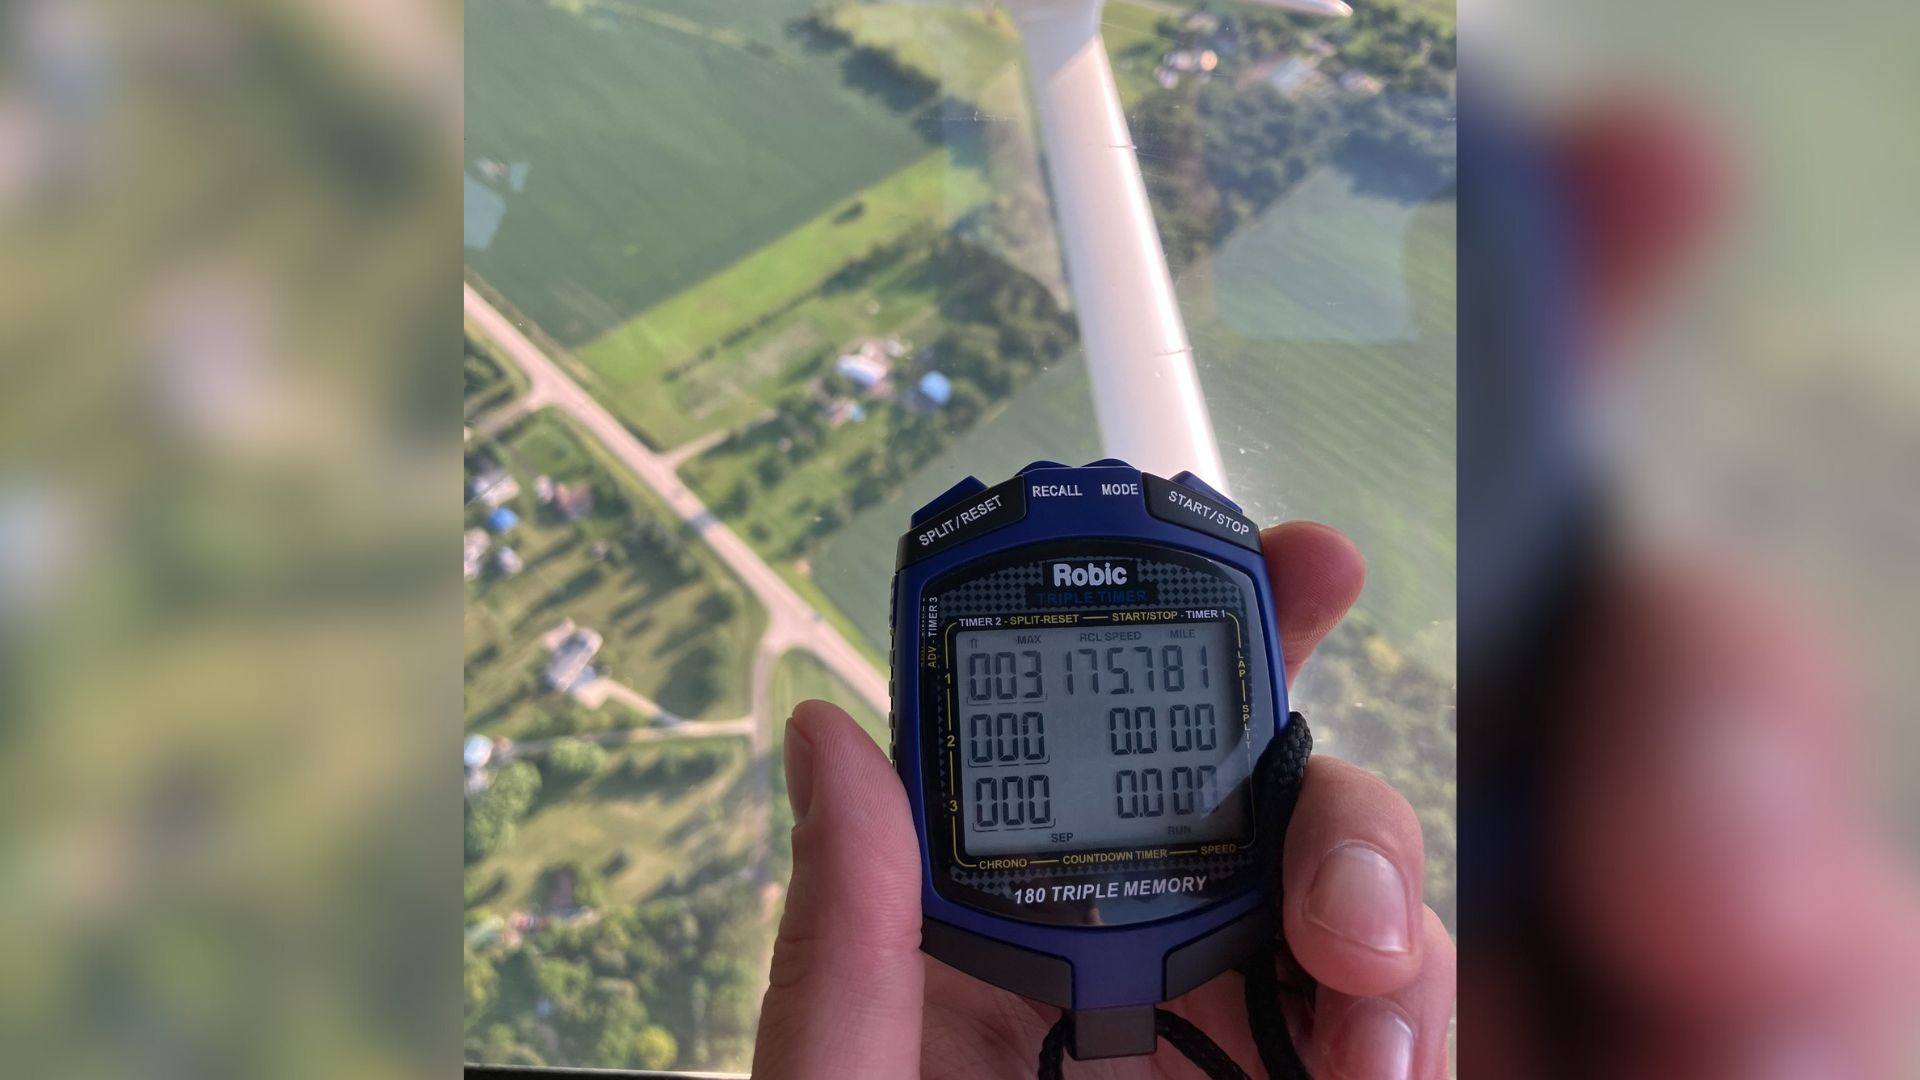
(851, 995)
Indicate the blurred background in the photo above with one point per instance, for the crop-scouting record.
(228, 247)
(1688, 596)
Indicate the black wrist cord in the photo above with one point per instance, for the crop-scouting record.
(1277, 780)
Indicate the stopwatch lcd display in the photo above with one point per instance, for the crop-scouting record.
(1076, 738)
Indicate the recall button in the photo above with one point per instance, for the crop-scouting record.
(998, 506)
(1182, 505)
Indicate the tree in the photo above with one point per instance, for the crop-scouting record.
(655, 1048)
(482, 982)
(492, 813)
(574, 760)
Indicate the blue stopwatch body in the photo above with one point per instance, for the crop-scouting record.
(1086, 668)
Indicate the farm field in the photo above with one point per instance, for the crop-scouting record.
(645, 823)
(964, 49)
(714, 356)
(1351, 422)
(643, 147)
(679, 630)
(1331, 423)
(799, 677)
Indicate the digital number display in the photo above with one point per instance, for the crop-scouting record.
(1085, 737)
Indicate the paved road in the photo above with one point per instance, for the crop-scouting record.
(595, 694)
(791, 622)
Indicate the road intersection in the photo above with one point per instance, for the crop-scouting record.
(792, 623)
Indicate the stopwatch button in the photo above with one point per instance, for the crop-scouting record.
(1043, 463)
(961, 490)
(1188, 480)
(1107, 463)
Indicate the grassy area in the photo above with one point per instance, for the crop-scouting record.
(663, 829)
(678, 628)
(661, 142)
(1134, 46)
(799, 677)
(964, 49)
(491, 383)
(702, 361)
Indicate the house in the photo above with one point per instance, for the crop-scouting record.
(543, 488)
(867, 370)
(896, 348)
(477, 751)
(936, 388)
(573, 501)
(1295, 74)
(569, 668)
(502, 519)
(475, 543)
(494, 486)
(508, 562)
(1355, 81)
(842, 412)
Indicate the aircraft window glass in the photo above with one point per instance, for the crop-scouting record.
(748, 282)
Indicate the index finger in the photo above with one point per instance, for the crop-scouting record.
(1317, 574)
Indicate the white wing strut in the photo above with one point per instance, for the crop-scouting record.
(1146, 392)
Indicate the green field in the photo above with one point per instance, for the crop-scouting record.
(663, 623)
(662, 142)
(799, 677)
(1134, 46)
(652, 371)
(1324, 331)
(964, 49)
(667, 830)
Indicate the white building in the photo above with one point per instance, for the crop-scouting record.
(867, 370)
(494, 486)
(475, 544)
(568, 668)
(508, 562)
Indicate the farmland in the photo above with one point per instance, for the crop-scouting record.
(710, 358)
(661, 143)
(677, 627)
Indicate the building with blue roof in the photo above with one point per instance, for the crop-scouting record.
(936, 388)
(502, 519)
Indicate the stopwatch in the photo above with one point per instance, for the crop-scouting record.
(1086, 670)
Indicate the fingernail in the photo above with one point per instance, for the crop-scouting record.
(799, 771)
(1358, 894)
(1375, 1042)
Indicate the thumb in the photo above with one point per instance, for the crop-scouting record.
(843, 998)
